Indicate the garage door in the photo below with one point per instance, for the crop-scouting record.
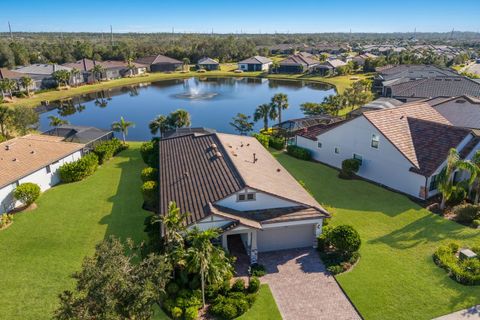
(285, 238)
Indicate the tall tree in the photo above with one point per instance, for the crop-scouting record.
(113, 285)
(122, 126)
(24, 119)
(280, 102)
(242, 123)
(6, 117)
(26, 83)
(473, 167)
(265, 112)
(56, 122)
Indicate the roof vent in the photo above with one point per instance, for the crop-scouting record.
(185, 174)
(7, 147)
(460, 101)
(213, 146)
(14, 159)
(218, 154)
(255, 159)
(32, 152)
(278, 170)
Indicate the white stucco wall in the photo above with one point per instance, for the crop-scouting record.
(41, 177)
(385, 165)
(262, 201)
(244, 66)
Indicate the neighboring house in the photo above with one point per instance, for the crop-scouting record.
(433, 87)
(234, 184)
(377, 104)
(361, 58)
(256, 63)
(297, 63)
(390, 75)
(12, 75)
(330, 67)
(160, 63)
(89, 136)
(208, 64)
(474, 68)
(111, 69)
(196, 131)
(41, 74)
(462, 111)
(402, 148)
(292, 126)
(32, 158)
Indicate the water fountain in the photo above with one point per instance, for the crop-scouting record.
(195, 94)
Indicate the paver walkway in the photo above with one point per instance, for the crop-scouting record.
(302, 288)
(472, 313)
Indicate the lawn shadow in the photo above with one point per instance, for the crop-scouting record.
(126, 217)
(429, 228)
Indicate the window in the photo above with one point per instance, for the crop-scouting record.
(337, 150)
(246, 196)
(358, 157)
(433, 183)
(48, 169)
(375, 141)
(319, 145)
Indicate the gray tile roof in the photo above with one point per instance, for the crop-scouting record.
(207, 61)
(41, 69)
(157, 59)
(436, 87)
(256, 60)
(298, 59)
(78, 134)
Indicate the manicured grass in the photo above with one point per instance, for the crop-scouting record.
(395, 277)
(264, 308)
(42, 248)
(226, 70)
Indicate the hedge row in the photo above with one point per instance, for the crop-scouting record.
(107, 149)
(80, 169)
(299, 152)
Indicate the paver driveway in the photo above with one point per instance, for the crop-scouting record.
(303, 289)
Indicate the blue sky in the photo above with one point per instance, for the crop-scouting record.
(241, 16)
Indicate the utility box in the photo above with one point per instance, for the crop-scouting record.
(467, 254)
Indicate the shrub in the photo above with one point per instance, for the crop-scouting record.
(149, 192)
(5, 220)
(172, 289)
(229, 311)
(466, 212)
(335, 269)
(149, 174)
(276, 143)
(257, 270)
(299, 152)
(251, 298)
(253, 285)
(80, 169)
(463, 271)
(27, 193)
(476, 223)
(176, 313)
(168, 305)
(345, 239)
(349, 168)
(238, 285)
(191, 313)
(149, 153)
(458, 195)
(107, 149)
(263, 139)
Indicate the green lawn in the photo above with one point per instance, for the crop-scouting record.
(44, 247)
(264, 308)
(395, 277)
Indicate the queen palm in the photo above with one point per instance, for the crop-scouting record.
(159, 125)
(97, 71)
(26, 82)
(130, 66)
(56, 122)
(265, 112)
(122, 126)
(201, 253)
(280, 102)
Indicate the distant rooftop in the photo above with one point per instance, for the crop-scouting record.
(78, 134)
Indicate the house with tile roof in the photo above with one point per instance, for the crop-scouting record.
(160, 63)
(111, 69)
(41, 74)
(428, 88)
(330, 67)
(403, 148)
(461, 111)
(208, 64)
(297, 63)
(33, 158)
(256, 63)
(233, 183)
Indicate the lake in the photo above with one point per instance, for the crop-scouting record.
(211, 102)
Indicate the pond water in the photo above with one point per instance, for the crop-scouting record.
(211, 102)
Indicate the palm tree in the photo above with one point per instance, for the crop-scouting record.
(122, 126)
(186, 63)
(7, 86)
(26, 82)
(179, 118)
(97, 71)
(130, 66)
(159, 125)
(265, 111)
(56, 122)
(280, 102)
(200, 253)
(74, 73)
(473, 167)
(445, 178)
(6, 118)
(62, 76)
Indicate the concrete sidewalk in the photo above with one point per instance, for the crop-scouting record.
(472, 313)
